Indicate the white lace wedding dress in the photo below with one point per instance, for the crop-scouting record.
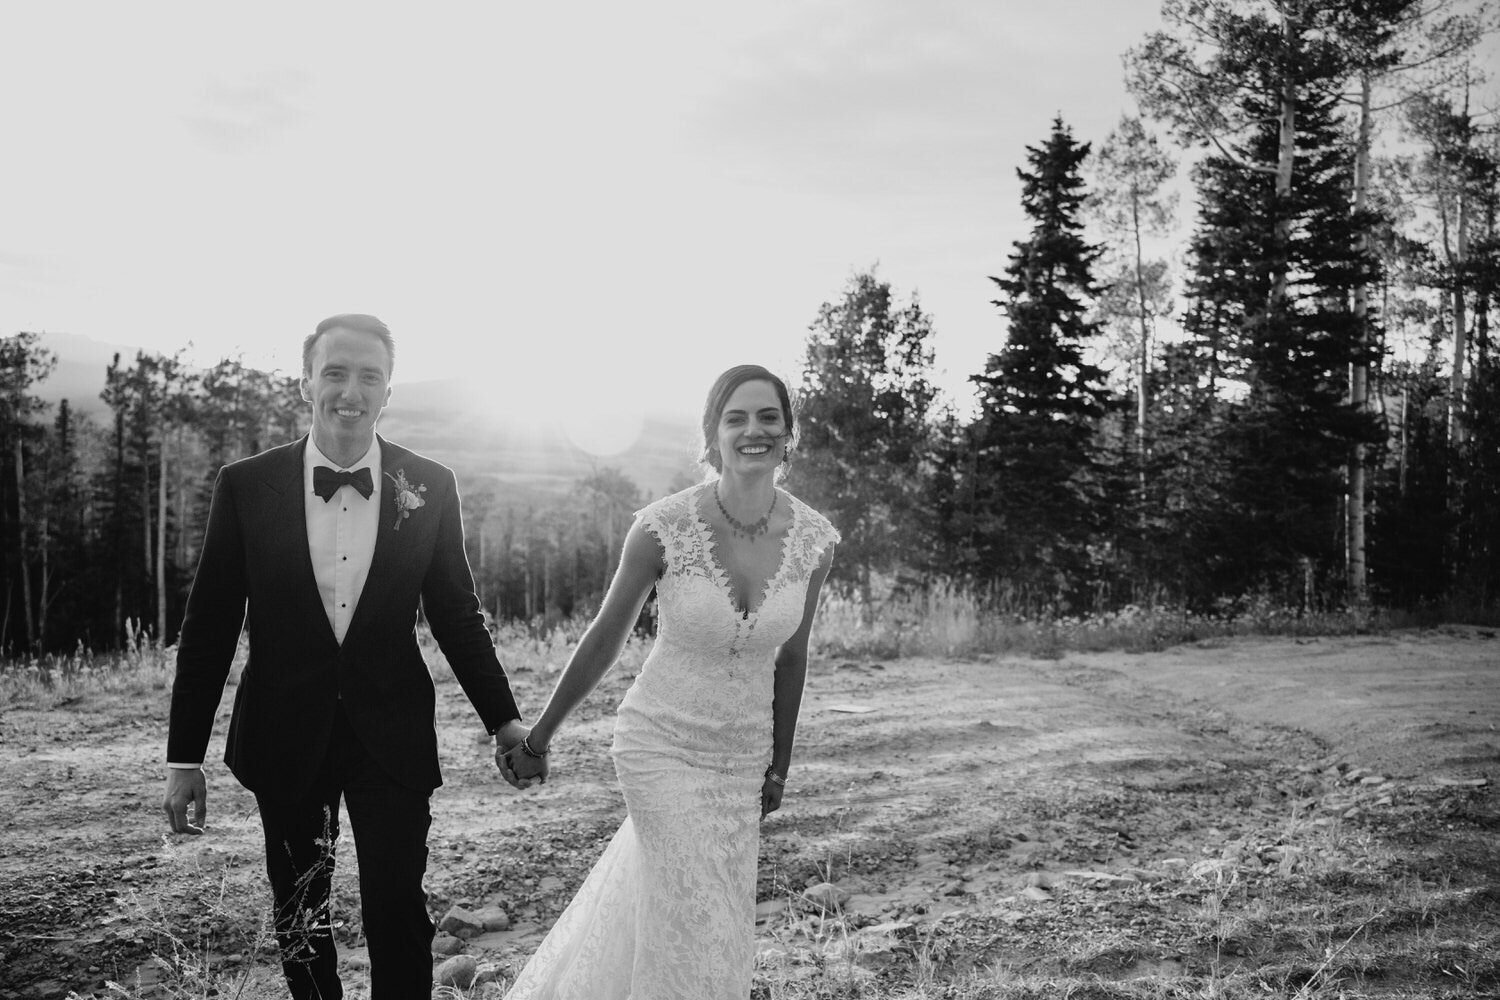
(668, 912)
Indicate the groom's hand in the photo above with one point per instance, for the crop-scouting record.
(520, 768)
(185, 785)
(509, 756)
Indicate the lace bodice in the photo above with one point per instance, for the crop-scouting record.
(709, 676)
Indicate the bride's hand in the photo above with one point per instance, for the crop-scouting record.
(770, 797)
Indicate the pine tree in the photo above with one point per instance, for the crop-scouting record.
(863, 438)
(23, 364)
(1274, 271)
(1040, 491)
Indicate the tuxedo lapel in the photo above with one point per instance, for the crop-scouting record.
(284, 482)
(391, 544)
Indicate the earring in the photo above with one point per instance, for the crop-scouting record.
(786, 454)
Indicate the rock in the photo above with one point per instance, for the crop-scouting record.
(446, 944)
(150, 972)
(1036, 894)
(1212, 868)
(874, 948)
(492, 918)
(459, 971)
(487, 974)
(462, 923)
(1101, 877)
(954, 888)
(769, 908)
(826, 896)
(772, 957)
(1040, 880)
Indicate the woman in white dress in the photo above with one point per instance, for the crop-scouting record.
(703, 738)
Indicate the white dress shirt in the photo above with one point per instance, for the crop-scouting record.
(341, 535)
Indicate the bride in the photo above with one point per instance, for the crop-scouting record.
(703, 738)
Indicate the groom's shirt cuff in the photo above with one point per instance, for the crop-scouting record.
(184, 767)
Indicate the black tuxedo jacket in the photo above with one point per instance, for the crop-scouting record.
(255, 571)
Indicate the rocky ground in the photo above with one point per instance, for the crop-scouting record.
(1272, 813)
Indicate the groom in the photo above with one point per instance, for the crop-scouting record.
(326, 546)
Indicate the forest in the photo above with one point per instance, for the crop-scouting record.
(1289, 397)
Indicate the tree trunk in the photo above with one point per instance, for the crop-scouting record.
(44, 574)
(182, 558)
(479, 582)
(547, 577)
(530, 574)
(43, 549)
(161, 542)
(1360, 371)
(1456, 414)
(1286, 150)
(1401, 471)
(117, 543)
(1145, 360)
(146, 525)
(1457, 259)
(25, 537)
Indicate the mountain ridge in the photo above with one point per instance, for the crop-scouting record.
(449, 420)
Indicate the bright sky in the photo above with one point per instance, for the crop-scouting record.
(596, 205)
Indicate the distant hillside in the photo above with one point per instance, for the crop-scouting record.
(533, 462)
(447, 420)
(79, 376)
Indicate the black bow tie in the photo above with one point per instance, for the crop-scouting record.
(326, 482)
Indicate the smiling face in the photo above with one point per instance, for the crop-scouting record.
(751, 429)
(348, 384)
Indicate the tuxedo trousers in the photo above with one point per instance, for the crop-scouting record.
(390, 824)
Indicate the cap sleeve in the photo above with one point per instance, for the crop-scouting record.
(669, 521)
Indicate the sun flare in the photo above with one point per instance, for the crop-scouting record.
(601, 430)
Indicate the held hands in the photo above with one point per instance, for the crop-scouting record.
(185, 785)
(519, 768)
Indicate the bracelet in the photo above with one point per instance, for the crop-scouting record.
(776, 779)
(526, 749)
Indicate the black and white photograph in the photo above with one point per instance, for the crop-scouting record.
(806, 500)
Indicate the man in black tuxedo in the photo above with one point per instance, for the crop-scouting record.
(327, 545)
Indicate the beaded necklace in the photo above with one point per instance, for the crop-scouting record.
(750, 531)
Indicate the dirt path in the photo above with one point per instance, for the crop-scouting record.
(1014, 815)
(1414, 704)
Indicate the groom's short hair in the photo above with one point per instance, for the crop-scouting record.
(358, 322)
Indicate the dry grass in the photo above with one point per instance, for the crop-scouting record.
(949, 621)
(1346, 909)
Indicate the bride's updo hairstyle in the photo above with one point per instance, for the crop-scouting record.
(718, 398)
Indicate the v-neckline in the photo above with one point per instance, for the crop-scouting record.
(721, 571)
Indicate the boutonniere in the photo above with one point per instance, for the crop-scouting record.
(408, 497)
